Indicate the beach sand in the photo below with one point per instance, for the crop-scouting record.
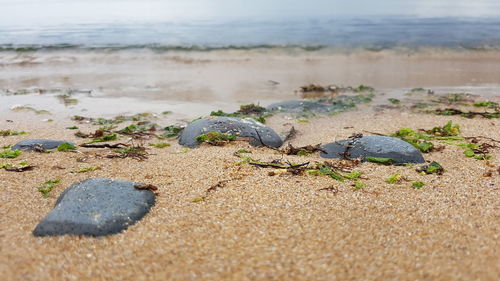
(262, 227)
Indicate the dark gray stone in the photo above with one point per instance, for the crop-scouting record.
(299, 106)
(245, 127)
(96, 207)
(32, 144)
(375, 146)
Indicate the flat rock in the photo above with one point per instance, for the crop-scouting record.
(298, 106)
(96, 207)
(246, 127)
(32, 144)
(375, 146)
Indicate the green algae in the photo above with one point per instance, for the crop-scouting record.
(216, 138)
(10, 153)
(47, 187)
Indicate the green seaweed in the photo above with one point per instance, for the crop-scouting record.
(66, 147)
(160, 144)
(256, 112)
(358, 185)
(10, 153)
(172, 131)
(86, 169)
(488, 104)
(216, 138)
(72, 128)
(417, 184)
(19, 167)
(394, 179)
(447, 130)
(105, 138)
(5, 133)
(394, 101)
(47, 187)
(29, 108)
(328, 171)
(433, 168)
(380, 160)
(353, 175)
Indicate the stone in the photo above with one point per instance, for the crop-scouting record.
(299, 106)
(33, 144)
(241, 127)
(375, 146)
(96, 207)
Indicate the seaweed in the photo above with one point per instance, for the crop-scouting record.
(314, 88)
(394, 101)
(216, 138)
(66, 147)
(216, 186)
(198, 199)
(10, 153)
(104, 138)
(488, 104)
(421, 141)
(136, 151)
(358, 185)
(447, 130)
(172, 131)
(143, 128)
(66, 99)
(433, 168)
(380, 160)
(72, 128)
(353, 175)
(160, 144)
(29, 108)
(333, 189)
(104, 145)
(363, 88)
(86, 169)
(47, 187)
(301, 151)
(289, 135)
(256, 112)
(466, 114)
(19, 167)
(417, 184)
(454, 98)
(5, 133)
(395, 179)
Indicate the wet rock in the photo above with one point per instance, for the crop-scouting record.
(299, 106)
(246, 127)
(375, 146)
(96, 207)
(34, 144)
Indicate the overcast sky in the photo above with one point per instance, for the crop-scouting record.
(54, 12)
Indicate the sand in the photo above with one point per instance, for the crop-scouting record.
(261, 227)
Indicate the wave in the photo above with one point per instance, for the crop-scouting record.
(207, 48)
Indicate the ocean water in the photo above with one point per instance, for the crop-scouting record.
(372, 33)
(202, 24)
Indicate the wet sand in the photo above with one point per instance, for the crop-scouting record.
(261, 227)
(187, 82)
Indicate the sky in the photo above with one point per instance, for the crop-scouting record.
(59, 12)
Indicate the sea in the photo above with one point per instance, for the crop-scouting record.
(341, 33)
